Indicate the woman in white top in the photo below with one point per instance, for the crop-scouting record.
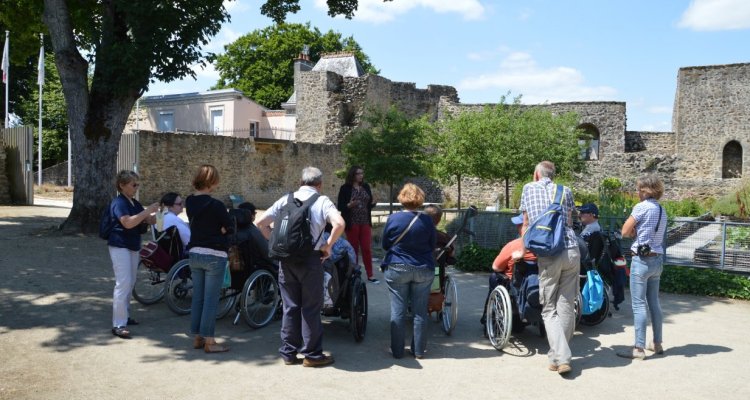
(173, 202)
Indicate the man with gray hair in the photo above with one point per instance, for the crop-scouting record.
(301, 281)
(558, 275)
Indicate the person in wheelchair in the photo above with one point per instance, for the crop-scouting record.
(436, 213)
(589, 216)
(342, 257)
(172, 205)
(252, 245)
(505, 262)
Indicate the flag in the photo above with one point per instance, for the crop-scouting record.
(40, 67)
(6, 61)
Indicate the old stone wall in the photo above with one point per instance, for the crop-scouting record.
(330, 106)
(655, 141)
(260, 172)
(712, 108)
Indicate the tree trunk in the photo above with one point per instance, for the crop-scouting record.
(96, 120)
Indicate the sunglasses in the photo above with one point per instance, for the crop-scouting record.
(177, 204)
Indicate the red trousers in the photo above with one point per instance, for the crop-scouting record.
(360, 237)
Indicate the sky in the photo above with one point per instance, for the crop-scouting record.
(544, 50)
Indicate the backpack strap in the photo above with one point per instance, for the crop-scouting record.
(309, 203)
(559, 194)
(401, 236)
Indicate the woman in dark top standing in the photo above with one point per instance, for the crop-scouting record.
(124, 242)
(209, 225)
(409, 239)
(355, 202)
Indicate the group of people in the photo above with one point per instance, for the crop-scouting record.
(559, 274)
(409, 239)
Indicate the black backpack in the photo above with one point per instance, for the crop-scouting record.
(107, 222)
(291, 238)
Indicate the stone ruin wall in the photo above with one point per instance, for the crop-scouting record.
(712, 108)
(260, 172)
(329, 106)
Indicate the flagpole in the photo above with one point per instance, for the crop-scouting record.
(40, 80)
(6, 74)
(69, 164)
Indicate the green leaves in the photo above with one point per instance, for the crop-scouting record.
(387, 146)
(261, 63)
(704, 282)
(476, 259)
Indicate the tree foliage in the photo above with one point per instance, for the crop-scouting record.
(278, 9)
(388, 146)
(504, 142)
(260, 63)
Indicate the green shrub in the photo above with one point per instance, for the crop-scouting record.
(704, 282)
(683, 208)
(476, 259)
(726, 205)
(582, 197)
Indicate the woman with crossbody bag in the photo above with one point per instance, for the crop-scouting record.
(647, 224)
(409, 238)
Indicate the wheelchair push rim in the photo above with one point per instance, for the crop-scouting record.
(150, 284)
(260, 299)
(499, 321)
(449, 312)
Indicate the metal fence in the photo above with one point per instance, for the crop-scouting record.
(19, 148)
(696, 242)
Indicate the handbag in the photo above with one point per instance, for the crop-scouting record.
(384, 267)
(155, 257)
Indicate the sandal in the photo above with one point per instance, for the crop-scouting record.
(121, 332)
(215, 348)
(199, 342)
(131, 321)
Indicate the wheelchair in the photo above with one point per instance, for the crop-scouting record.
(348, 294)
(444, 292)
(155, 264)
(512, 305)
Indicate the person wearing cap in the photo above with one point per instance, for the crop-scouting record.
(502, 267)
(589, 215)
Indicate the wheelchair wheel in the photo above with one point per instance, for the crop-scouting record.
(358, 309)
(578, 309)
(227, 300)
(259, 299)
(449, 313)
(179, 293)
(499, 317)
(598, 316)
(149, 284)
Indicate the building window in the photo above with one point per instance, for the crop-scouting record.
(217, 120)
(166, 121)
(731, 160)
(589, 141)
(254, 129)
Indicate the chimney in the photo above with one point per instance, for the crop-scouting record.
(302, 64)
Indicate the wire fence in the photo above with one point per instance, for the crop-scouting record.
(696, 242)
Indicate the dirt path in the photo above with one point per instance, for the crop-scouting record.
(55, 308)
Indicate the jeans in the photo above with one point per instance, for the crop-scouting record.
(360, 237)
(645, 274)
(408, 285)
(124, 265)
(208, 276)
(558, 289)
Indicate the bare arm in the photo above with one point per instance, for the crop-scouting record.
(131, 221)
(628, 228)
(264, 225)
(338, 228)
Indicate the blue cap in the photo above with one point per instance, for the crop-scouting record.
(518, 219)
(589, 208)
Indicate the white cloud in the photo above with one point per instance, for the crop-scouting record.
(660, 126)
(520, 74)
(525, 14)
(378, 11)
(207, 72)
(716, 15)
(236, 6)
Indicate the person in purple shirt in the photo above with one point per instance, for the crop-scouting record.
(409, 239)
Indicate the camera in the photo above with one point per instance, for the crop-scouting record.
(643, 250)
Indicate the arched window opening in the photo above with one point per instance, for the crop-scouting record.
(731, 160)
(589, 142)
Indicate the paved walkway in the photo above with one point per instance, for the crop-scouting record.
(55, 343)
(683, 251)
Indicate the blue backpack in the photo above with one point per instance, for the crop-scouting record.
(107, 222)
(545, 237)
(592, 293)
